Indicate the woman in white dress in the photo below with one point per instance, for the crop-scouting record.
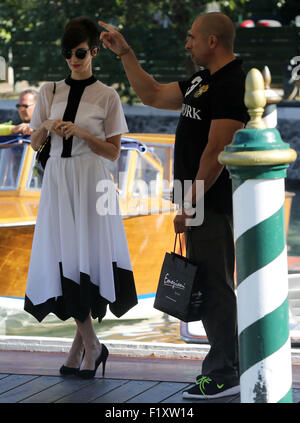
(80, 261)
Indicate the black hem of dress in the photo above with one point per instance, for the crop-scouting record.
(80, 300)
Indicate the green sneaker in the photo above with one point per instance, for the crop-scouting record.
(207, 388)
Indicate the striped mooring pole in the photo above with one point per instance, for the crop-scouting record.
(257, 161)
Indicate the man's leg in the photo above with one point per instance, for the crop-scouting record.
(211, 246)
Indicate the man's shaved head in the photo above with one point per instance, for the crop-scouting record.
(218, 24)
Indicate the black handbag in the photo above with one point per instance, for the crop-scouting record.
(43, 152)
(179, 293)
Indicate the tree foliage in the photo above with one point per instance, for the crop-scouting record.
(31, 32)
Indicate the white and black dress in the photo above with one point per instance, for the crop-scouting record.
(80, 261)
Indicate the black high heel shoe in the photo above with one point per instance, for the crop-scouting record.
(68, 371)
(89, 374)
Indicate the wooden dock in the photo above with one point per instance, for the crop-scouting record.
(33, 377)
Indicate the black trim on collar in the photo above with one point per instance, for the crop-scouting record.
(80, 82)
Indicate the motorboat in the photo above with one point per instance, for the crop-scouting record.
(143, 179)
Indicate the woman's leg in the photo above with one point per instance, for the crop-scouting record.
(91, 343)
(75, 354)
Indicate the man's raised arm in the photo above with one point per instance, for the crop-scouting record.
(152, 93)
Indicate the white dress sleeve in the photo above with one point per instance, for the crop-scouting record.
(115, 122)
(42, 106)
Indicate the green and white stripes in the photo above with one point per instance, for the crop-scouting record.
(257, 160)
(262, 291)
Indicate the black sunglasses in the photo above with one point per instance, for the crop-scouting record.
(80, 53)
(23, 105)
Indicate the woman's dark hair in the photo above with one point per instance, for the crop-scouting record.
(80, 30)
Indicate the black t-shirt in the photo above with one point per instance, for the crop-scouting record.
(208, 97)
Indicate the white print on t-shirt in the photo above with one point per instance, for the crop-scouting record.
(196, 81)
(191, 112)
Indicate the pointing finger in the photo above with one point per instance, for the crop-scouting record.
(106, 26)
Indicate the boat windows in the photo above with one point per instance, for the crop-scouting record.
(148, 177)
(164, 155)
(11, 160)
(35, 176)
(118, 170)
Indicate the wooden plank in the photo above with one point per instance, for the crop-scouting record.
(159, 392)
(117, 367)
(56, 392)
(126, 391)
(12, 381)
(29, 388)
(93, 390)
(3, 375)
(177, 398)
(31, 362)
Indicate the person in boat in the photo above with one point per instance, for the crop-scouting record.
(80, 262)
(212, 109)
(10, 159)
(25, 106)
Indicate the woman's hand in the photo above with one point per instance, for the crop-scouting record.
(68, 129)
(47, 124)
(61, 128)
(54, 125)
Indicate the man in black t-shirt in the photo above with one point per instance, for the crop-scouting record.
(208, 98)
(212, 110)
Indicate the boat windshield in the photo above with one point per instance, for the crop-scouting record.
(11, 159)
(118, 171)
(35, 176)
(147, 177)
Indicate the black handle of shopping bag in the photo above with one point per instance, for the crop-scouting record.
(179, 244)
(185, 259)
